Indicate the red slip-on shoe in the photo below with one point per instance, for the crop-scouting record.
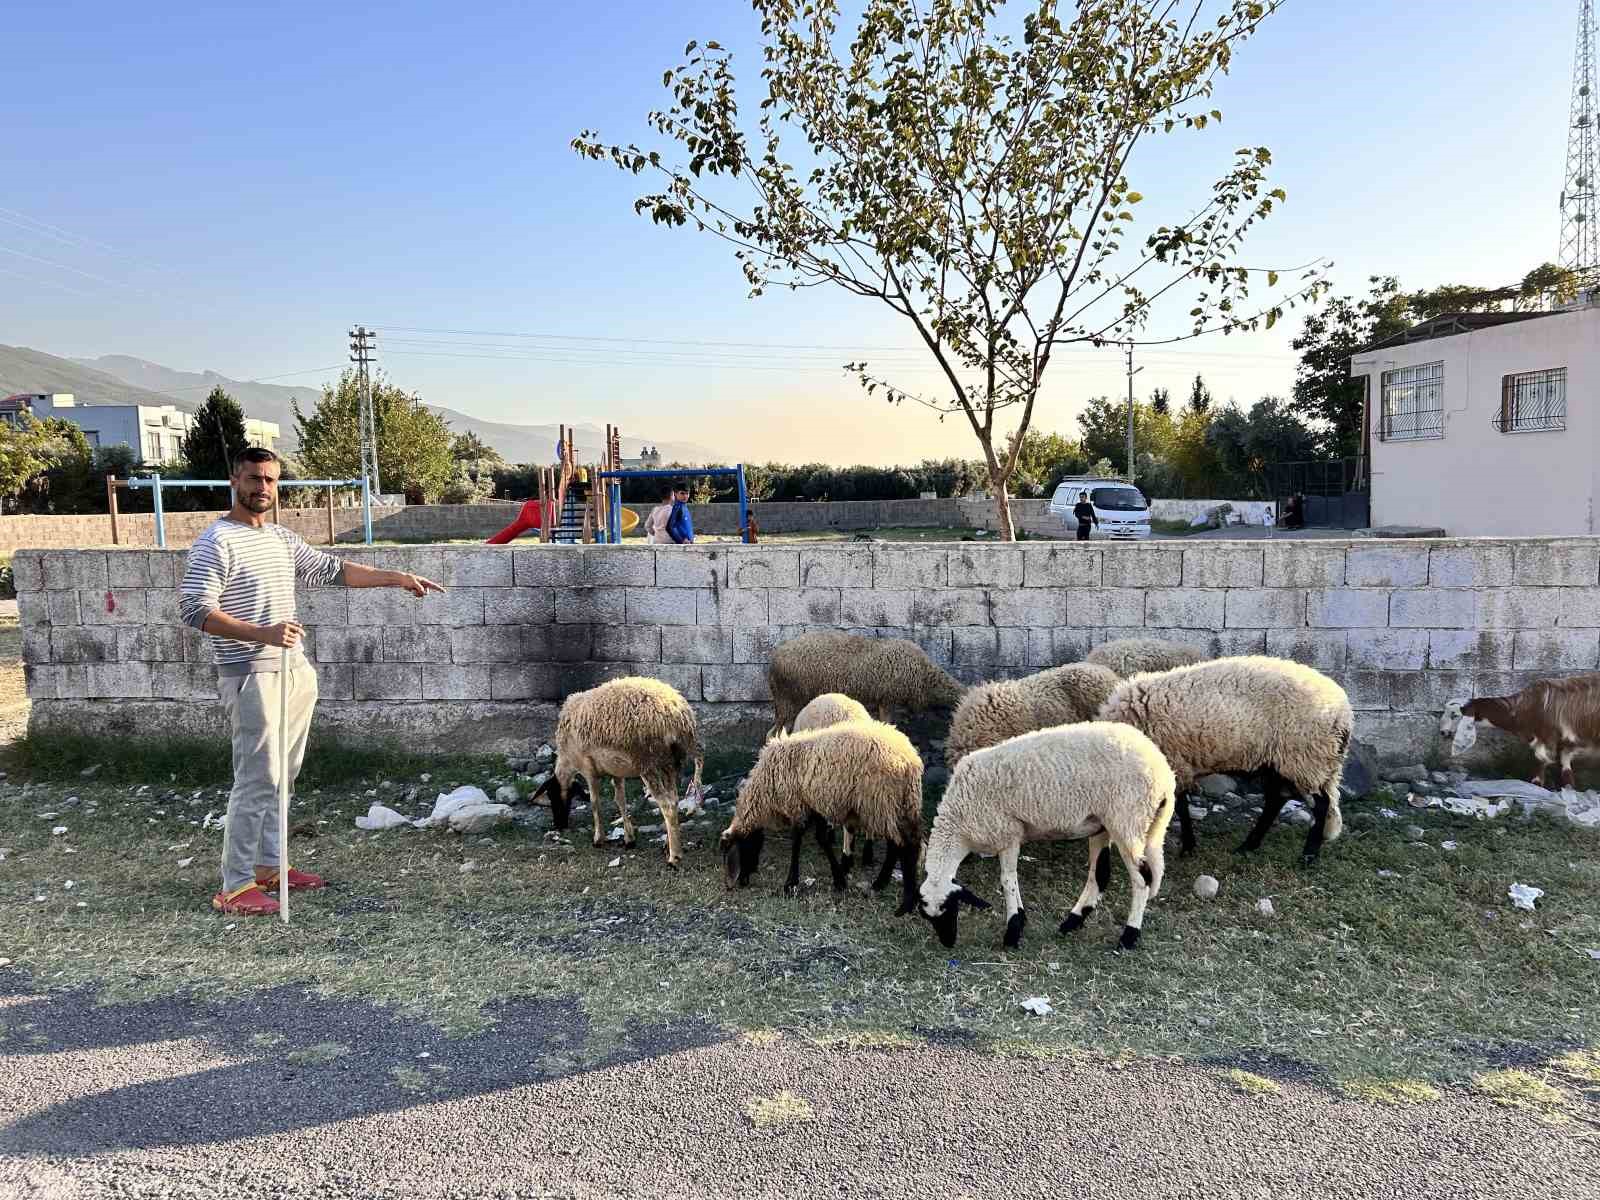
(299, 881)
(246, 901)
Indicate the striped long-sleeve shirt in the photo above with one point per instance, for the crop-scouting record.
(248, 572)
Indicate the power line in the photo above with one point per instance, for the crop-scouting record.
(12, 217)
(75, 270)
(46, 283)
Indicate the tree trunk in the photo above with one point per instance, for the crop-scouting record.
(1002, 511)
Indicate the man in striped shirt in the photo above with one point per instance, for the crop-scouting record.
(239, 590)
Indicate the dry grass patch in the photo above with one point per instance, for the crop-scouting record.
(1522, 1089)
(319, 1055)
(767, 1112)
(1253, 1085)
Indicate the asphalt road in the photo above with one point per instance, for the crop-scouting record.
(175, 1099)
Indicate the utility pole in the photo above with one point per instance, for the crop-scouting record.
(361, 347)
(1132, 371)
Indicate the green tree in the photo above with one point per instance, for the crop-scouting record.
(974, 182)
(22, 456)
(1199, 396)
(216, 436)
(1247, 443)
(469, 447)
(1161, 401)
(414, 443)
(1324, 394)
(1043, 459)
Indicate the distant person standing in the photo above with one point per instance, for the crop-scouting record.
(655, 525)
(680, 526)
(1084, 511)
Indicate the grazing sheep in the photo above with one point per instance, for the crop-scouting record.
(863, 775)
(1101, 781)
(1127, 657)
(880, 673)
(1243, 715)
(628, 728)
(990, 714)
(1557, 717)
(830, 708)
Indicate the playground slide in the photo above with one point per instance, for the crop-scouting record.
(529, 518)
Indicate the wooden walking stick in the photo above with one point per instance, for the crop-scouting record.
(283, 786)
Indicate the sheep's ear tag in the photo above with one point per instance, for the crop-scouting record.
(1466, 735)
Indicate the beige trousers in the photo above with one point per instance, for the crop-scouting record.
(251, 837)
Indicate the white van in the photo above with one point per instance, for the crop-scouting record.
(1123, 511)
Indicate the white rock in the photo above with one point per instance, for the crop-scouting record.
(1448, 845)
(546, 751)
(70, 885)
(1385, 874)
(5, 962)
(1217, 785)
(1199, 814)
(468, 867)
(47, 816)
(507, 794)
(184, 862)
(615, 862)
(424, 778)
(1523, 896)
(1206, 887)
(1415, 833)
(1388, 814)
(1039, 1006)
(1264, 907)
(58, 831)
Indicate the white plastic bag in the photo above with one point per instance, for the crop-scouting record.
(379, 817)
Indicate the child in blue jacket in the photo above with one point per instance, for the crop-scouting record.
(680, 526)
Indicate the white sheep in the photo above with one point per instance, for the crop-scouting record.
(859, 774)
(1127, 657)
(880, 673)
(1245, 715)
(830, 708)
(1096, 780)
(993, 712)
(628, 728)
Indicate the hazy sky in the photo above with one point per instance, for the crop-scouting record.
(232, 186)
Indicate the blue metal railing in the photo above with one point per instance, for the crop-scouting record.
(613, 532)
(156, 485)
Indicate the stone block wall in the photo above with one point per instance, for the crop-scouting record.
(1402, 625)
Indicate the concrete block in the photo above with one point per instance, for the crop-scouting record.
(1028, 607)
(74, 570)
(1428, 691)
(938, 644)
(1320, 648)
(1266, 608)
(1470, 566)
(33, 609)
(627, 643)
(353, 644)
(83, 644)
(62, 608)
(1061, 566)
(164, 568)
(808, 606)
(389, 681)
(858, 606)
(27, 571)
(754, 645)
(667, 606)
(618, 566)
(1471, 650)
(517, 606)
(415, 644)
(548, 566)
(919, 567)
(128, 569)
(455, 681)
(949, 607)
(985, 566)
(1557, 649)
(836, 567)
(701, 643)
(1348, 608)
(1558, 564)
(1130, 566)
(734, 682)
(1433, 608)
(42, 682)
(123, 680)
(153, 643)
(558, 643)
(36, 645)
(1222, 567)
(683, 678)
(1518, 608)
(583, 606)
(754, 567)
(183, 681)
(1052, 647)
(1106, 606)
(331, 606)
(1387, 649)
(732, 607)
(1302, 564)
(1366, 690)
(336, 681)
(1580, 608)
(1224, 643)
(488, 566)
(161, 607)
(1183, 608)
(489, 644)
(990, 649)
(529, 681)
(1386, 566)
(688, 566)
(112, 608)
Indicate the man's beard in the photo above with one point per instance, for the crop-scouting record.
(256, 504)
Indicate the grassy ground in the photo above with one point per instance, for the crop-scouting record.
(1389, 968)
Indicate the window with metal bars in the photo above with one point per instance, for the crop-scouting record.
(1533, 402)
(1413, 403)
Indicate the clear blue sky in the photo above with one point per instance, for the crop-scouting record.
(232, 186)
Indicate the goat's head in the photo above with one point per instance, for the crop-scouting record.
(1458, 723)
(741, 856)
(940, 905)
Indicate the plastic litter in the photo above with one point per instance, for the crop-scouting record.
(379, 817)
(1039, 1006)
(1264, 907)
(1523, 896)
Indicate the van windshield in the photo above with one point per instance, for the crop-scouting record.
(1118, 499)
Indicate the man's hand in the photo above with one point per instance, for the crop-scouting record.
(416, 584)
(287, 634)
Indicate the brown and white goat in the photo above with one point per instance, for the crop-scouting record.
(1558, 718)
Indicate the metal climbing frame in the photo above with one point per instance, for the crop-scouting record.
(613, 524)
(156, 484)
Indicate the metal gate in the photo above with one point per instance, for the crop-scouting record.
(1336, 490)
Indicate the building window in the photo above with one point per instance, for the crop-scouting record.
(1533, 402)
(1413, 403)
(152, 448)
(93, 438)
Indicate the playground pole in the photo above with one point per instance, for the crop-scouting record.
(366, 507)
(111, 507)
(744, 507)
(161, 518)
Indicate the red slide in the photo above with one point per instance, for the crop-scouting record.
(528, 518)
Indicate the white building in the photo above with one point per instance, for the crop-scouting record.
(155, 431)
(1485, 424)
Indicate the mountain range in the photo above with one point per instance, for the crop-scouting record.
(121, 379)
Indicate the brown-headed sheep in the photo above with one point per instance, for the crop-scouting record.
(628, 728)
(1247, 714)
(1127, 657)
(1558, 718)
(993, 712)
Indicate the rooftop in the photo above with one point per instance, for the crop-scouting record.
(1450, 324)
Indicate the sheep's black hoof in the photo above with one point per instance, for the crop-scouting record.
(1311, 859)
(672, 866)
(1129, 939)
(1014, 929)
(1075, 921)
